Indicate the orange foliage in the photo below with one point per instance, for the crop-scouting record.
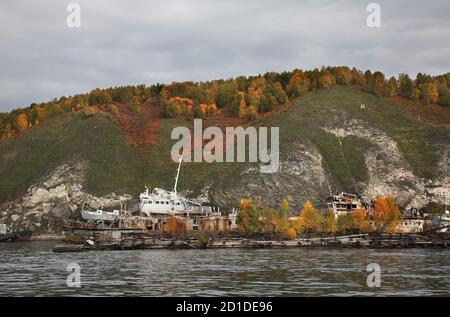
(360, 221)
(22, 122)
(291, 233)
(380, 209)
(245, 203)
(325, 81)
(386, 213)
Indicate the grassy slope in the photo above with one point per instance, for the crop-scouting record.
(416, 140)
(39, 151)
(114, 166)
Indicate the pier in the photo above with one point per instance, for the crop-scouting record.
(373, 241)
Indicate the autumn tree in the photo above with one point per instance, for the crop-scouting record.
(252, 114)
(267, 102)
(123, 95)
(248, 218)
(99, 96)
(41, 113)
(225, 95)
(310, 218)
(6, 132)
(380, 209)
(254, 98)
(358, 77)
(386, 213)
(278, 92)
(406, 85)
(391, 87)
(22, 122)
(277, 220)
(423, 79)
(444, 99)
(78, 102)
(298, 84)
(379, 85)
(429, 92)
(393, 216)
(360, 221)
(325, 81)
(369, 82)
(329, 224)
(415, 93)
(343, 75)
(344, 223)
(241, 105)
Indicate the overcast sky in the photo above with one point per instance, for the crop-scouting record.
(132, 42)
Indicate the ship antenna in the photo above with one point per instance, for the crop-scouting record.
(178, 174)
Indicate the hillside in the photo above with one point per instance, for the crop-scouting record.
(328, 144)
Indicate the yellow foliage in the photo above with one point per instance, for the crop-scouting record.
(41, 113)
(245, 203)
(89, 111)
(212, 109)
(22, 122)
(310, 218)
(242, 105)
(330, 225)
(386, 213)
(248, 218)
(360, 221)
(393, 216)
(325, 81)
(252, 114)
(292, 234)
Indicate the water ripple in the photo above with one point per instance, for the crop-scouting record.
(32, 269)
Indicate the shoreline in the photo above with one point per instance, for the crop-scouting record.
(47, 237)
(378, 241)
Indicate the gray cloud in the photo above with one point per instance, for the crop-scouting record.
(132, 42)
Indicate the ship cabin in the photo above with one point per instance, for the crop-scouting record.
(344, 203)
(163, 202)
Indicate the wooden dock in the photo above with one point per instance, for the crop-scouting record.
(351, 241)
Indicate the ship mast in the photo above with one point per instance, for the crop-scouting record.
(178, 174)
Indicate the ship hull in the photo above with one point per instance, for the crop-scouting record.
(16, 236)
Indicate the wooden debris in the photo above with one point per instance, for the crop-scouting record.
(351, 241)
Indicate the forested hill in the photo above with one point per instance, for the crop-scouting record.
(246, 96)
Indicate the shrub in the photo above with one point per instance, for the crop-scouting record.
(99, 96)
(252, 114)
(89, 111)
(113, 109)
(444, 100)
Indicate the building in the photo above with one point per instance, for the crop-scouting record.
(344, 203)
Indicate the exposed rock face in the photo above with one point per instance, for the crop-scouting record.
(300, 177)
(58, 196)
(388, 172)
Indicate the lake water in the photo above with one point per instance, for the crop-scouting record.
(32, 269)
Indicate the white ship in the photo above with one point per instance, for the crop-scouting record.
(162, 202)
